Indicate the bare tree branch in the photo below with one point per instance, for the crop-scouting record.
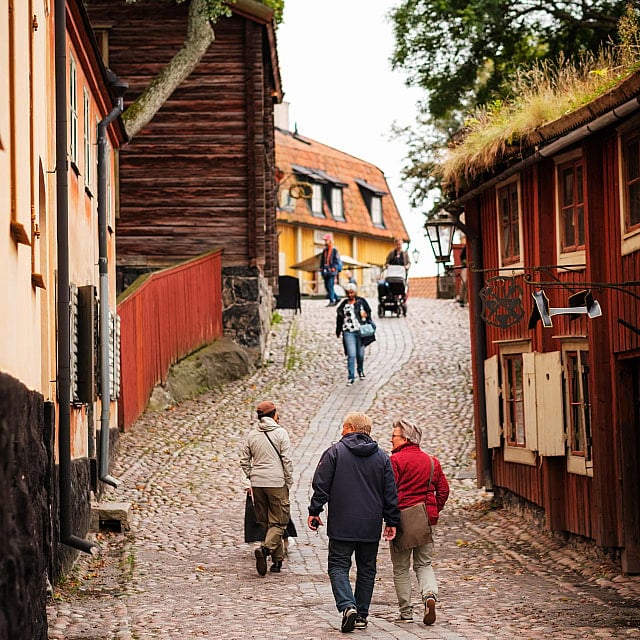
(199, 36)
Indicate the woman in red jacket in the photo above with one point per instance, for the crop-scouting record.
(419, 478)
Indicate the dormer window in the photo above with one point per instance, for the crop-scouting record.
(326, 198)
(373, 199)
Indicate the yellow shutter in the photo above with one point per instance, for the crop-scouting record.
(530, 400)
(549, 404)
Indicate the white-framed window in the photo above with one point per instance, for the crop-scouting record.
(509, 224)
(73, 112)
(575, 357)
(86, 136)
(571, 208)
(337, 207)
(629, 144)
(524, 402)
(316, 200)
(376, 211)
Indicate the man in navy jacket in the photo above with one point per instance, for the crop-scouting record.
(356, 478)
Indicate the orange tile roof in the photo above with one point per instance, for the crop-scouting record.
(293, 149)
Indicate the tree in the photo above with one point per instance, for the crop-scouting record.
(202, 15)
(461, 52)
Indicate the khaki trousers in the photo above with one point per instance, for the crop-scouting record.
(273, 511)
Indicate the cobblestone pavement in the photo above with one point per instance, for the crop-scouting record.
(183, 571)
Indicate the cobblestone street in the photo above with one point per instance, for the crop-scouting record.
(184, 571)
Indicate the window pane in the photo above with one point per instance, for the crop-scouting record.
(579, 185)
(633, 166)
(567, 229)
(567, 186)
(336, 203)
(376, 210)
(634, 203)
(580, 225)
(316, 200)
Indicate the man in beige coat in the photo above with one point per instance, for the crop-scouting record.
(266, 462)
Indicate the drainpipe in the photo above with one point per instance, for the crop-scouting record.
(62, 213)
(119, 87)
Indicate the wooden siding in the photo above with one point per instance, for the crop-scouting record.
(200, 175)
(172, 313)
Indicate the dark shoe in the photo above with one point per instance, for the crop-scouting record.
(361, 622)
(348, 620)
(361, 376)
(276, 566)
(350, 381)
(429, 610)
(261, 560)
(403, 620)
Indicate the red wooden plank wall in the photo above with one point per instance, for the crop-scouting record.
(174, 312)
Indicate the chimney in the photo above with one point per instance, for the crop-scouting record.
(281, 115)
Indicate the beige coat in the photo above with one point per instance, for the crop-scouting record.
(259, 460)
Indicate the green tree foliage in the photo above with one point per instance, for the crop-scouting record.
(462, 52)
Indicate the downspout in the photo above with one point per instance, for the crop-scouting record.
(105, 375)
(64, 356)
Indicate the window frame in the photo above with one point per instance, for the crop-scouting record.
(87, 142)
(630, 233)
(578, 462)
(517, 260)
(336, 202)
(316, 201)
(519, 453)
(73, 112)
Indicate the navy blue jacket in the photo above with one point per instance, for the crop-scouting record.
(356, 478)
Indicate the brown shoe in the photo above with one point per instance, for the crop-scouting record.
(261, 561)
(429, 610)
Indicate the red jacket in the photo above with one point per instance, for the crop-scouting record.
(411, 468)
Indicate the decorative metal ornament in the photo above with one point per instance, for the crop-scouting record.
(501, 302)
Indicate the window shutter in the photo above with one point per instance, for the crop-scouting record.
(530, 402)
(549, 403)
(114, 356)
(73, 343)
(492, 401)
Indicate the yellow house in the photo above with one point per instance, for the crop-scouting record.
(323, 190)
(57, 267)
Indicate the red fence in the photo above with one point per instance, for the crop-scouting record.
(171, 314)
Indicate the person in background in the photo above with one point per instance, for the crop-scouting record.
(266, 462)
(398, 256)
(329, 265)
(355, 477)
(350, 278)
(419, 478)
(350, 314)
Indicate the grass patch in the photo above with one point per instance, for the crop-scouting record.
(540, 95)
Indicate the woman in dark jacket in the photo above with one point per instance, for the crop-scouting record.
(352, 312)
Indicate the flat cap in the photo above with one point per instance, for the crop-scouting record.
(265, 407)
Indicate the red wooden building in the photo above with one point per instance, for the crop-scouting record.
(200, 175)
(558, 406)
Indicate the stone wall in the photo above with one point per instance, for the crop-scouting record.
(247, 306)
(25, 527)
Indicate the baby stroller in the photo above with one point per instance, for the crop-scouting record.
(393, 291)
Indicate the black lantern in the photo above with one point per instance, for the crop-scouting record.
(440, 231)
(415, 254)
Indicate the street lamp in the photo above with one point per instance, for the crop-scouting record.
(415, 254)
(440, 232)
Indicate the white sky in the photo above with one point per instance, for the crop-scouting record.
(336, 76)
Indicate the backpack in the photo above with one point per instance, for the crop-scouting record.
(339, 261)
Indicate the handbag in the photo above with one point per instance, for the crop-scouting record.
(415, 528)
(366, 330)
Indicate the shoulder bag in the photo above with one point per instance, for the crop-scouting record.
(414, 529)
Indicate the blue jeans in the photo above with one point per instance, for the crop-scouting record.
(355, 352)
(329, 282)
(339, 563)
